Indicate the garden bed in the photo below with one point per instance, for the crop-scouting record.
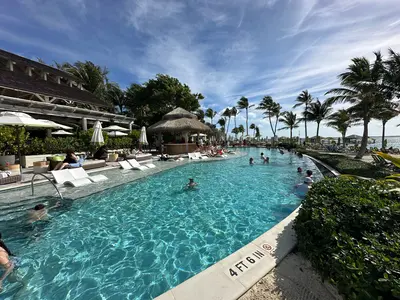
(346, 165)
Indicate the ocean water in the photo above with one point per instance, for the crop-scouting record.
(392, 141)
(138, 240)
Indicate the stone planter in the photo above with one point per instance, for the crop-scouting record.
(6, 160)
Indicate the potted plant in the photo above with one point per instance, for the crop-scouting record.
(7, 141)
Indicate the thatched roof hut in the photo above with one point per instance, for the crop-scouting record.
(179, 120)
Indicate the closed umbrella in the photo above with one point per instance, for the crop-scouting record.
(143, 137)
(116, 133)
(19, 120)
(61, 132)
(97, 137)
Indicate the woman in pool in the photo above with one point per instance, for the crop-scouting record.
(191, 184)
(70, 158)
(251, 161)
(299, 170)
(5, 262)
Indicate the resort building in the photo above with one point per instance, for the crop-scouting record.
(46, 92)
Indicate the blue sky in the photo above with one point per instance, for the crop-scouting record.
(223, 49)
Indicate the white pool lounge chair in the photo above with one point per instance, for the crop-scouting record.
(201, 156)
(80, 173)
(76, 177)
(192, 156)
(125, 165)
(150, 166)
(135, 165)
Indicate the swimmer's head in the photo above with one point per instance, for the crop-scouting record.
(309, 173)
(39, 207)
(190, 179)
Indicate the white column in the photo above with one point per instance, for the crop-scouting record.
(130, 126)
(186, 135)
(84, 124)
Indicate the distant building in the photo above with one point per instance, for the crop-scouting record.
(48, 93)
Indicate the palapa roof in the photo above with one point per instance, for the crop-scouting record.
(179, 120)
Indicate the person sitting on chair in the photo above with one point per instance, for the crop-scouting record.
(70, 158)
(101, 153)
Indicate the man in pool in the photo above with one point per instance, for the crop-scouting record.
(302, 188)
(191, 183)
(309, 173)
(299, 170)
(251, 161)
(39, 212)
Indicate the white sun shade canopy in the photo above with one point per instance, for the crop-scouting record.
(116, 133)
(10, 118)
(115, 128)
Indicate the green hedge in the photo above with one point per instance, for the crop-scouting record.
(79, 143)
(350, 230)
(346, 165)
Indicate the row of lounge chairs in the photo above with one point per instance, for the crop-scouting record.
(132, 164)
(76, 177)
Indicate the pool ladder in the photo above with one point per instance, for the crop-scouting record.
(51, 181)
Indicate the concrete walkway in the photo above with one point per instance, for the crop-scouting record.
(292, 279)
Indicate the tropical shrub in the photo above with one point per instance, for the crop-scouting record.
(350, 230)
(8, 140)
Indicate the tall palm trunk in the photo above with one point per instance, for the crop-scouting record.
(247, 121)
(227, 128)
(343, 137)
(235, 127)
(291, 131)
(272, 129)
(383, 134)
(318, 131)
(305, 124)
(364, 140)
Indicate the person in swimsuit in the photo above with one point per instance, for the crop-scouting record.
(5, 262)
(70, 158)
(191, 183)
(39, 212)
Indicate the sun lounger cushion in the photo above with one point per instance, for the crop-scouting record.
(136, 166)
(61, 176)
(150, 166)
(201, 156)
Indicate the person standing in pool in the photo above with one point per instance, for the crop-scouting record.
(5, 262)
(309, 173)
(299, 170)
(39, 212)
(251, 161)
(191, 183)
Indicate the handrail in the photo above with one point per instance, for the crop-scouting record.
(59, 194)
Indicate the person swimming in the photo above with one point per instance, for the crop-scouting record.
(191, 183)
(39, 212)
(251, 161)
(5, 262)
(309, 173)
(299, 170)
(262, 156)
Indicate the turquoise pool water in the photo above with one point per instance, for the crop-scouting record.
(138, 240)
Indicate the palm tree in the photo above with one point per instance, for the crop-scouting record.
(362, 88)
(305, 99)
(258, 134)
(341, 121)
(271, 110)
(200, 115)
(241, 129)
(227, 114)
(235, 131)
(210, 113)
(234, 113)
(253, 126)
(116, 96)
(290, 120)
(317, 112)
(243, 103)
(392, 74)
(385, 113)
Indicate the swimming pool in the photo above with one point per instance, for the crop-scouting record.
(138, 240)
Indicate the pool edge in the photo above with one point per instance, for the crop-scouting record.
(219, 280)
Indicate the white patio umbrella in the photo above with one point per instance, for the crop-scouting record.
(115, 128)
(116, 133)
(143, 137)
(61, 132)
(19, 120)
(56, 125)
(97, 137)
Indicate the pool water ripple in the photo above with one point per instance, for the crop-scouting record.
(138, 240)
